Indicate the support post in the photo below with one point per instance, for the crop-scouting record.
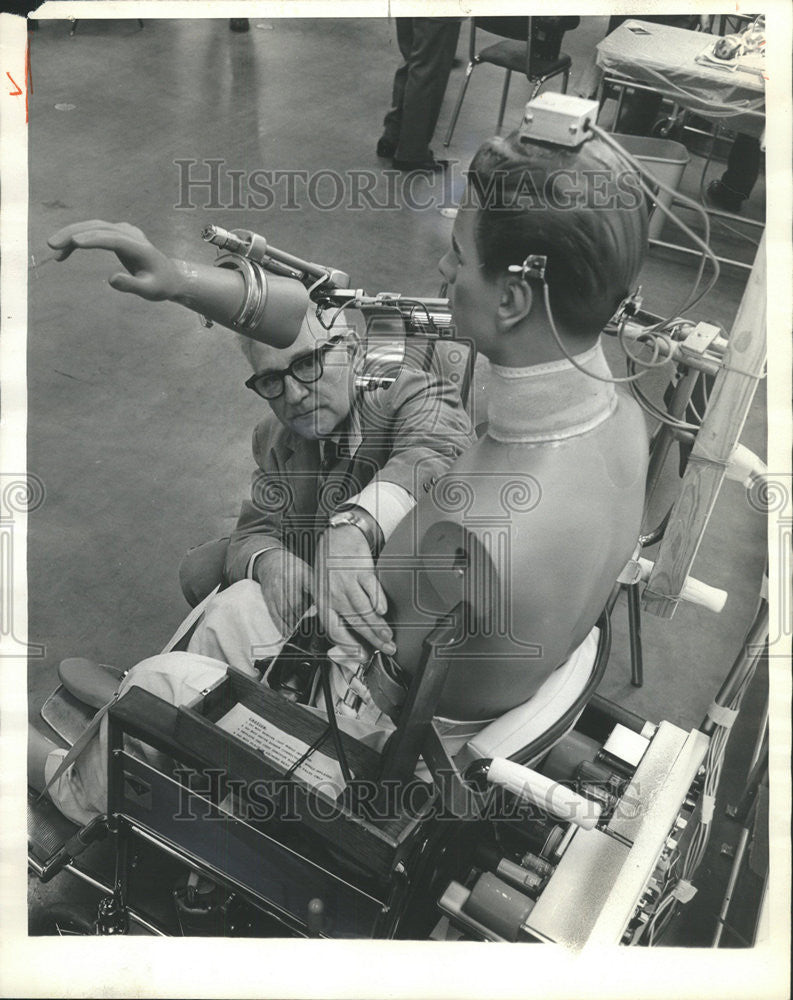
(407, 742)
(730, 400)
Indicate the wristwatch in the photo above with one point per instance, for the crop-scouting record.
(360, 521)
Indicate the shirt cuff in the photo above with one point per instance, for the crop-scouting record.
(255, 556)
(387, 502)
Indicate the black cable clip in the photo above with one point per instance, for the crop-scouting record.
(532, 267)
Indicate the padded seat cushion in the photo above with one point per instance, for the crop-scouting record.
(512, 55)
(524, 723)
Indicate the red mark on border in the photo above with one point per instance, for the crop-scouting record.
(28, 81)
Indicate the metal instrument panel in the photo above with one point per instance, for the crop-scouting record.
(569, 907)
(240, 854)
(600, 878)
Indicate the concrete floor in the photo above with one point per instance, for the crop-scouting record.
(139, 425)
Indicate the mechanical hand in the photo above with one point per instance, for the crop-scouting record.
(149, 273)
(217, 293)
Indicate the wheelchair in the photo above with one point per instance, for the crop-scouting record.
(567, 790)
(568, 820)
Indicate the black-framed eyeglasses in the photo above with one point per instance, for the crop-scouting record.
(307, 368)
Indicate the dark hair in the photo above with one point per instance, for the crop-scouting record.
(582, 208)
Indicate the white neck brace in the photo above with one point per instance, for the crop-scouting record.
(549, 402)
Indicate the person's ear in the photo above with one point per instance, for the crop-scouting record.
(515, 302)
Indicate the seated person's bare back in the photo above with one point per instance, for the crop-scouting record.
(533, 558)
(527, 532)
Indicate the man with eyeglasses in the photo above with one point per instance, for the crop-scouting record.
(336, 470)
(561, 469)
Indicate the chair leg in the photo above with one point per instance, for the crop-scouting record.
(503, 106)
(635, 635)
(618, 113)
(541, 80)
(456, 113)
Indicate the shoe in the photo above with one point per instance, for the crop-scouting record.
(430, 166)
(386, 148)
(92, 683)
(722, 197)
(239, 24)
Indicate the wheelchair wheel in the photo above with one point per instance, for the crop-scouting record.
(64, 920)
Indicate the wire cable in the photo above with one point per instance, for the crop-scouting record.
(714, 109)
(569, 356)
(701, 243)
(713, 764)
(314, 746)
(334, 724)
(661, 415)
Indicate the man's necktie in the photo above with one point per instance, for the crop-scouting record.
(330, 457)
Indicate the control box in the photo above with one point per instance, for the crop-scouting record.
(559, 119)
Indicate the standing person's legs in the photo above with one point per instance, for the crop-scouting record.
(429, 65)
(737, 181)
(392, 122)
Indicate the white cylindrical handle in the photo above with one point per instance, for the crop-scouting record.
(697, 592)
(694, 591)
(744, 466)
(562, 803)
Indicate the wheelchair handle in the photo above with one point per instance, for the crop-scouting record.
(694, 591)
(531, 786)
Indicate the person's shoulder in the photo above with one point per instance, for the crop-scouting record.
(629, 415)
(269, 433)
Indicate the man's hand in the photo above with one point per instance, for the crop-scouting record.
(149, 273)
(286, 586)
(350, 601)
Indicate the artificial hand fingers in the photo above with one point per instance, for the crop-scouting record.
(65, 241)
(149, 273)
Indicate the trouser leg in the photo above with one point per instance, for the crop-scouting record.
(81, 791)
(429, 65)
(201, 570)
(393, 120)
(743, 165)
(236, 630)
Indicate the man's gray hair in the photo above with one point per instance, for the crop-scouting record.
(246, 346)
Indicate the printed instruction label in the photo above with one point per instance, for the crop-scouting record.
(319, 770)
